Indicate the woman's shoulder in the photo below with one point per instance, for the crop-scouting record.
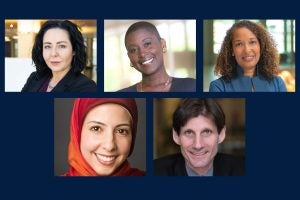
(78, 83)
(217, 85)
(137, 172)
(184, 80)
(33, 82)
(183, 85)
(129, 89)
(86, 84)
(279, 83)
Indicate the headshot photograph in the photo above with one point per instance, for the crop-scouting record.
(100, 137)
(249, 55)
(55, 55)
(146, 55)
(199, 137)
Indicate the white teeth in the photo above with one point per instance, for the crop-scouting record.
(198, 153)
(106, 158)
(147, 61)
(248, 57)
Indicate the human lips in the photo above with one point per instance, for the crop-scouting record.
(198, 154)
(147, 61)
(106, 159)
(55, 62)
(248, 58)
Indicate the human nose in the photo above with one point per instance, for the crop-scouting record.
(142, 52)
(109, 143)
(54, 52)
(247, 47)
(198, 143)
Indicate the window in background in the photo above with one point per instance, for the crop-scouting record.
(180, 58)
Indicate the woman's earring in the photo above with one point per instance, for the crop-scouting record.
(131, 65)
(164, 49)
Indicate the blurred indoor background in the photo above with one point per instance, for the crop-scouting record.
(19, 39)
(180, 59)
(283, 32)
(234, 109)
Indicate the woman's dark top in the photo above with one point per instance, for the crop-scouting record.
(70, 83)
(178, 85)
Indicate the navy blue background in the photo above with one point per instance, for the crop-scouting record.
(272, 129)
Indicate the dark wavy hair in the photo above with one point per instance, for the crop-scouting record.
(142, 25)
(79, 59)
(193, 107)
(268, 63)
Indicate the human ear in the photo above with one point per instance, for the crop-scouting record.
(176, 137)
(222, 135)
(163, 45)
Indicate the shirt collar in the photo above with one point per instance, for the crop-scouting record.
(190, 172)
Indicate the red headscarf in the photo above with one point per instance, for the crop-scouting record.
(79, 167)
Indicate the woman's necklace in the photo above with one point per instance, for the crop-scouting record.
(50, 86)
(165, 84)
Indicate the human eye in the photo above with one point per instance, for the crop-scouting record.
(95, 129)
(238, 44)
(206, 132)
(132, 50)
(62, 46)
(47, 46)
(188, 133)
(123, 131)
(253, 42)
(147, 44)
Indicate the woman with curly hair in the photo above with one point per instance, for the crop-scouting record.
(59, 55)
(248, 61)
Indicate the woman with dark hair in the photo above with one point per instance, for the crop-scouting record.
(248, 61)
(145, 49)
(59, 55)
(102, 136)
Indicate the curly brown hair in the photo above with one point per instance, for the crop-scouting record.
(268, 63)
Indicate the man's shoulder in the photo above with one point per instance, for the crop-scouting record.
(169, 159)
(228, 165)
(171, 165)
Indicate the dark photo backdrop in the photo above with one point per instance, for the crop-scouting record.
(272, 138)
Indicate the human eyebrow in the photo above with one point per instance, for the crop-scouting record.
(96, 122)
(122, 125)
(59, 42)
(206, 130)
(148, 38)
(238, 40)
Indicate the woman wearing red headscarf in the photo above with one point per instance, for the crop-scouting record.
(102, 137)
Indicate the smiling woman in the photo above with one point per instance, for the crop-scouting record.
(59, 55)
(102, 137)
(145, 49)
(248, 61)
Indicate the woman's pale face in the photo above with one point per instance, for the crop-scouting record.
(145, 51)
(106, 137)
(246, 50)
(57, 50)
